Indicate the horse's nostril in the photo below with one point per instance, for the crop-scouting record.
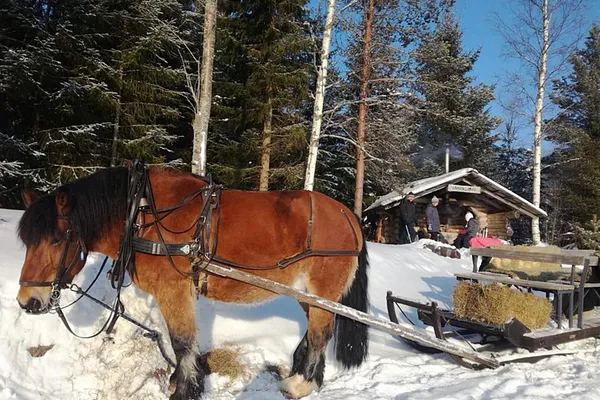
(33, 305)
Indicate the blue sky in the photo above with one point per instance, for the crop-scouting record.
(475, 17)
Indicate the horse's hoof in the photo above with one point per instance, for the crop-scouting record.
(189, 392)
(296, 387)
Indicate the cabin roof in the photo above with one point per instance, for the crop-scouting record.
(467, 176)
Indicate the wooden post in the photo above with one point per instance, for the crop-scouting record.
(337, 308)
(584, 274)
(379, 232)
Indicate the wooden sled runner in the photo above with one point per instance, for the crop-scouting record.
(568, 322)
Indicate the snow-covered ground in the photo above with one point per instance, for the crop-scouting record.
(129, 366)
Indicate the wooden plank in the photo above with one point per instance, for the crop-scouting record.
(387, 326)
(533, 256)
(517, 282)
(588, 285)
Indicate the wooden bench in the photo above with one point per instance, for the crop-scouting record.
(574, 258)
(542, 286)
(569, 257)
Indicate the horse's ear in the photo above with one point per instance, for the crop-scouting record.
(62, 201)
(29, 196)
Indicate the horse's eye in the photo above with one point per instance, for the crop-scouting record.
(56, 241)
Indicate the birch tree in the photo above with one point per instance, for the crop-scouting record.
(203, 92)
(313, 146)
(540, 34)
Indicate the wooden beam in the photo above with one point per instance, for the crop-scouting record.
(406, 332)
(517, 282)
(510, 253)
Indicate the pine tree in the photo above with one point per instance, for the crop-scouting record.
(453, 110)
(514, 162)
(398, 27)
(576, 131)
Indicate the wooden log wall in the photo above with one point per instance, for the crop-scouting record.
(497, 224)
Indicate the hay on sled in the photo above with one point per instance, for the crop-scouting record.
(497, 304)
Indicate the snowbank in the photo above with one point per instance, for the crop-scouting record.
(129, 366)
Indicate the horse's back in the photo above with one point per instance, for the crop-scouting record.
(273, 225)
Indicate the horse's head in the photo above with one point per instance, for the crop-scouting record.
(55, 251)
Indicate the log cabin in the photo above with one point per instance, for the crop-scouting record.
(461, 191)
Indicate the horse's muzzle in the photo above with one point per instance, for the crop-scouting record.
(33, 306)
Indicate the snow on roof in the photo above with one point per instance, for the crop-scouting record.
(490, 188)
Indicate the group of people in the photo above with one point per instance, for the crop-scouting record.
(409, 219)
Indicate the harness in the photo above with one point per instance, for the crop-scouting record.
(201, 250)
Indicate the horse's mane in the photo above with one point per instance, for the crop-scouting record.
(96, 201)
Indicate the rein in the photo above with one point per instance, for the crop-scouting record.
(201, 251)
(57, 285)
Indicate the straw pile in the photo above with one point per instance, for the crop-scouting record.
(497, 304)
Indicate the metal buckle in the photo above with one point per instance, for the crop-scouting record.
(55, 295)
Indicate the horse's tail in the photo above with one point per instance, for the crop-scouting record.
(352, 337)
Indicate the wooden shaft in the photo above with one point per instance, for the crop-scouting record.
(337, 308)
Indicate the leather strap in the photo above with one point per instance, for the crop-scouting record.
(157, 249)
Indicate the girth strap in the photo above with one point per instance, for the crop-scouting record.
(186, 249)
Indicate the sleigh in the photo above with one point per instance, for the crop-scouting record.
(512, 340)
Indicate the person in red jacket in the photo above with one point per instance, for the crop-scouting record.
(463, 239)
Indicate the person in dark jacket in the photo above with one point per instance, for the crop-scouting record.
(408, 219)
(433, 219)
(472, 228)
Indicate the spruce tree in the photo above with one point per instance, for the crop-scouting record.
(453, 110)
(576, 131)
(262, 83)
(75, 72)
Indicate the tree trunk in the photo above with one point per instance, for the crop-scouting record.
(116, 123)
(537, 133)
(313, 146)
(266, 147)
(362, 108)
(203, 103)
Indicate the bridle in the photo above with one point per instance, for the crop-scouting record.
(63, 268)
(58, 284)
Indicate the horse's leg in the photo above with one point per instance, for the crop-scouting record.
(309, 368)
(178, 312)
(300, 352)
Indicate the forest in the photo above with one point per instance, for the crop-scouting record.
(87, 84)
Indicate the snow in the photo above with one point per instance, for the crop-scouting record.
(127, 365)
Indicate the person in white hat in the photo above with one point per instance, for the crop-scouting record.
(433, 218)
(472, 228)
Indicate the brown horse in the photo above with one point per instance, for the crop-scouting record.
(255, 229)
